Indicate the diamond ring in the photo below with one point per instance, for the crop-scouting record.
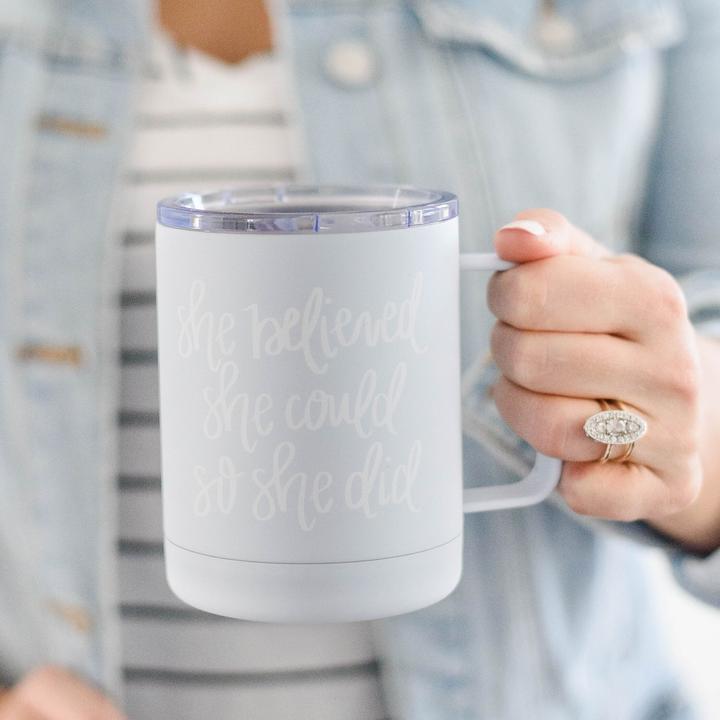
(615, 427)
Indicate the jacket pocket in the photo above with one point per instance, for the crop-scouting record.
(554, 40)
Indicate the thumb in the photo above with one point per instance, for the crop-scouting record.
(541, 233)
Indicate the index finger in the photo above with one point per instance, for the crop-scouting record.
(573, 293)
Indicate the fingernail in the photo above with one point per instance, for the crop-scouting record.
(531, 226)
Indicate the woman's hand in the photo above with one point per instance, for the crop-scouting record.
(577, 323)
(51, 693)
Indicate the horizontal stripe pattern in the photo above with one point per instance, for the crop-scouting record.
(140, 515)
(137, 482)
(138, 268)
(178, 642)
(202, 126)
(138, 357)
(142, 581)
(138, 328)
(192, 176)
(203, 119)
(139, 388)
(174, 149)
(300, 697)
(139, 450)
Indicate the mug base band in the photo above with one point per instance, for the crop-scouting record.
(313, 592)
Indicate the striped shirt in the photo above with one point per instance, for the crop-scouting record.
(203, 125)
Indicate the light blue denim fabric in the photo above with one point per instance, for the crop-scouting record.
(610, 118)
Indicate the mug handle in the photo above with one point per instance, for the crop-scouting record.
(545, 474)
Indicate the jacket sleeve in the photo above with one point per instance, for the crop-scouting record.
(680, 229)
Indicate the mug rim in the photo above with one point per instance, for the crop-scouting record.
(288, 208)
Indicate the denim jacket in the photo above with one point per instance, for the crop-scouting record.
(606, 110)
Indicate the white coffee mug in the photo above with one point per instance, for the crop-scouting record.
(309, 357)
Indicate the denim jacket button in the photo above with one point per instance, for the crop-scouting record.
(350, 63)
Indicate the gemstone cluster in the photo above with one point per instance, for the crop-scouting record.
(615, 427)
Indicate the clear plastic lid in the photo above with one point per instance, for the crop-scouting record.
(293, 208)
